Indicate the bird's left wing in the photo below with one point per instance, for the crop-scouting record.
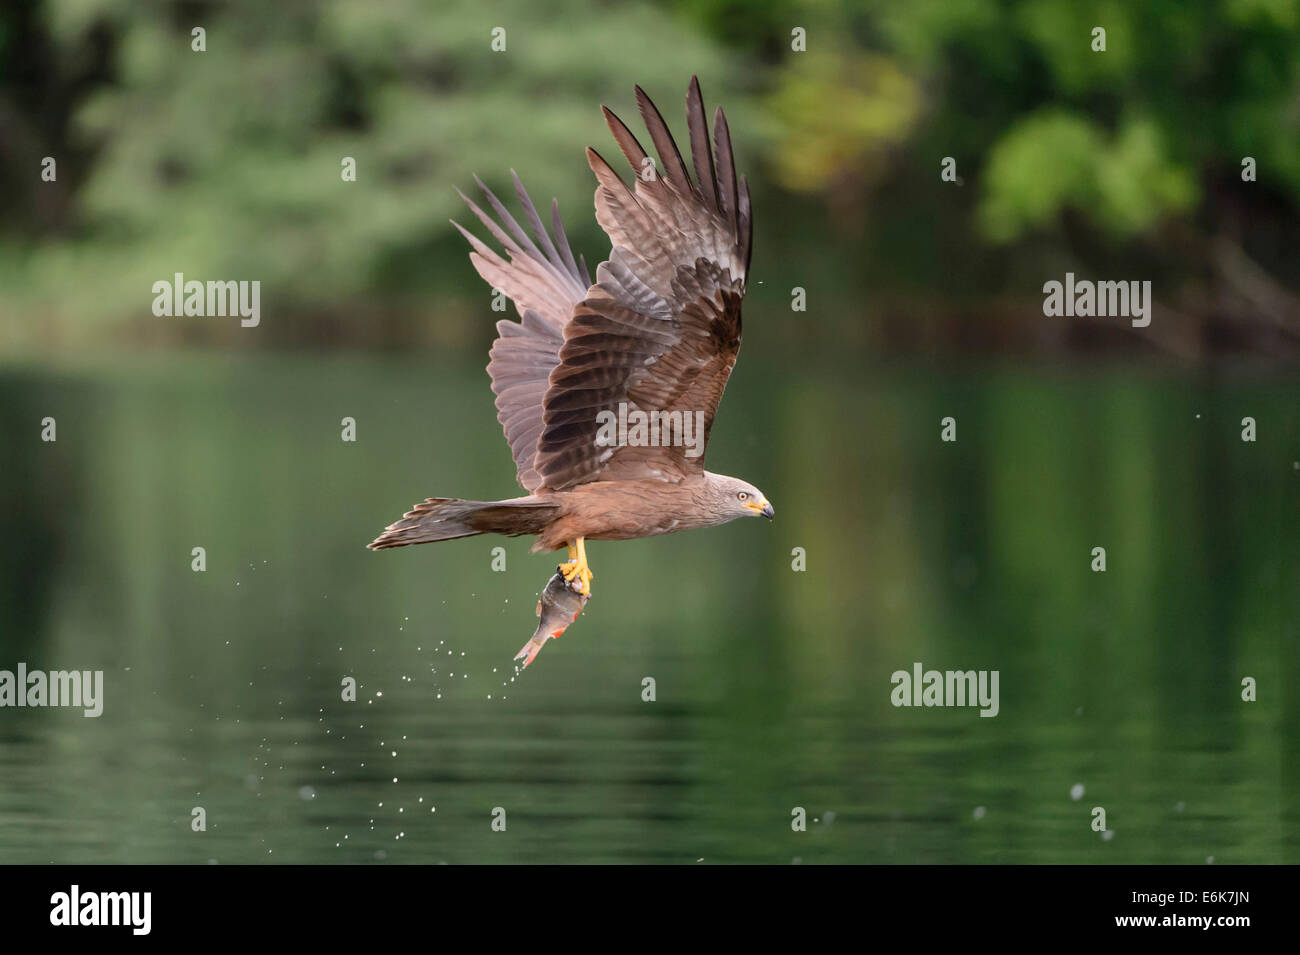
(545, 282)
(659, 332)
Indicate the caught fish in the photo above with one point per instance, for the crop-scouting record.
(560, 604)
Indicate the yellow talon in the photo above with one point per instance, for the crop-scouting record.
(577, 567)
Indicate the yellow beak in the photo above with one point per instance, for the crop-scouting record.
(762, 508)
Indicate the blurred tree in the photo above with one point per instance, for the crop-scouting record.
(227, 163)
(1133, 153)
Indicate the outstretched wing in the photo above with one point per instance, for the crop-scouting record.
(546, 284)
(660, 329)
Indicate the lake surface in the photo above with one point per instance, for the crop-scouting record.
(1120, 690)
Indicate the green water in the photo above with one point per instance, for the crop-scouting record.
(222, 688)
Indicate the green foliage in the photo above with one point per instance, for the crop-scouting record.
(227, 162)
(838, 113)
(1125, 137)
(1056, 160)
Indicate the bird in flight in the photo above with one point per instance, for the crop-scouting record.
(651, 343)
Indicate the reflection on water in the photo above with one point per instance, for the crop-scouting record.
(772, 687)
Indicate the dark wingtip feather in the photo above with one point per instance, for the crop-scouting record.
(598, 164)
(627, 142)
(674, 169)
(746, 222)
(701, 155)
(727, 191)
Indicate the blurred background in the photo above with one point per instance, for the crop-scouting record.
(924, 301)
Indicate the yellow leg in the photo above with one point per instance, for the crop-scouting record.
(577, 566)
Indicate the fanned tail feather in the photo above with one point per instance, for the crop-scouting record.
(446, 518)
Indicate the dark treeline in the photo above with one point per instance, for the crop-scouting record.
(1168, 156)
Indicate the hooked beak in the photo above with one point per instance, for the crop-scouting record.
(761, 508)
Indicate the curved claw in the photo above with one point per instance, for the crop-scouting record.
(578, 569)
(580, 572)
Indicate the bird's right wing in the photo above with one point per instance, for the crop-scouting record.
(659, 332)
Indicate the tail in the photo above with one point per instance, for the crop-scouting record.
(446, 518)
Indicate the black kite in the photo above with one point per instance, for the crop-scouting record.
(652, 340)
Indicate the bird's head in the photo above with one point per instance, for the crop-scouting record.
(735, 498)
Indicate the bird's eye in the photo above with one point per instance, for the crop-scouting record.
(742, 496)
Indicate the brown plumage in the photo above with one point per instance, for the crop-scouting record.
(656, 334)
